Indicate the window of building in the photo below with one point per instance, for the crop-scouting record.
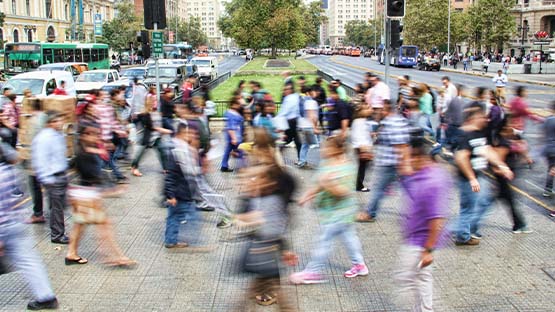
(14, 7)
(28, 8)
(29, 35)
(48, 6)
(15, 35)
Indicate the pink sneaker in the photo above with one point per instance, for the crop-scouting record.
(357, 270)
(307, 278)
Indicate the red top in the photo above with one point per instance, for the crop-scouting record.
(520, 111)
(60, 91)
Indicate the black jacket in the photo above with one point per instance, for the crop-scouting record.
(176, 183)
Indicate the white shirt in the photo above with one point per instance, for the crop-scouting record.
(500, 81)
(360, 133)
(309, 105)
(451, 91)
(377, 94)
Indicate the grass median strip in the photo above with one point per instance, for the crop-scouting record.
(259, 62)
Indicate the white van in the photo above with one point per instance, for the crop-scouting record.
(207, 67)
(41, 83)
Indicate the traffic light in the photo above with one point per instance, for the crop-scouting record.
(144, 36)
(396, 30)
(155, 12)
(146, 50)
(394, 8)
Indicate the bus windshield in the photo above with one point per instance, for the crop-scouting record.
(408, 52)
(19, 85)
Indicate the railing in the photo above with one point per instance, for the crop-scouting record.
(211, 85)
(327, 77)
(222, 106)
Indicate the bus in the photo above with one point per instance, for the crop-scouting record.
(178, 51)
(24, 57)
(404, 56)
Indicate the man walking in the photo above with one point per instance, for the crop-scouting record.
(48, 153)
(391, 154)
(500, 81)
(290, 111)
(377, 94)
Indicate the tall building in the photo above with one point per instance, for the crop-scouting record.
(342, 11)
(50, 20)
(532, 16)
(209, 12)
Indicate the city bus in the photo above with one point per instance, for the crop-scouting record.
(404, 56)
(24, 57)
(178, 51)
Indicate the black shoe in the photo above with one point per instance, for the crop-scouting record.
(122, 180)
(226, 169)
(43, 305)
(62, 241)
(205, 208)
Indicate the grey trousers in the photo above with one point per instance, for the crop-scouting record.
(57, 201)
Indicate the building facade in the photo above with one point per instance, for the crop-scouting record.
(51, 20)
(342, 11)
(209, 12)
(532, 16)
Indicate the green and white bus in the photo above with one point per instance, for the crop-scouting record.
(24, 57)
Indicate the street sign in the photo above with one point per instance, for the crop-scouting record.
(158, 43)
(98, 24)
(543, 42)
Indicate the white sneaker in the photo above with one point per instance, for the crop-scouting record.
(523, 230)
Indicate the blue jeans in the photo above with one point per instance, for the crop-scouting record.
(111, 163)
(19, 250)
(228, 148)
(183, 210)
(307, 138)
(451, 135)
(483, 204)
(468, 214)
(347, 233)
(383, 177)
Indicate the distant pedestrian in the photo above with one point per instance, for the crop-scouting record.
(500, 81)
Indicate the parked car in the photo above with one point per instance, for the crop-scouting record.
(95, 79)
(134, 72)
(41, 83)
(74, 68)
(207, 67)
(429, 65)
(171, 76)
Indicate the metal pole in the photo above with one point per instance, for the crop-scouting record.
(448, 26)
(387, 60)
(157, 74)
(541, 54)
(94, 18)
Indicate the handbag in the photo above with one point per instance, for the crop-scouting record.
(262, 257)
(86, 205)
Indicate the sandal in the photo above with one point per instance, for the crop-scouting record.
(266, 299)
(136, 172)
(76, 261)
(123, 263)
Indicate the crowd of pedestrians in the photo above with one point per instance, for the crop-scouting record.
(407, 138)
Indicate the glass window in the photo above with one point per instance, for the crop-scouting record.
(48, 6)
(110, 77)
(14, 8)
(86, 55)
(94, 55)
(15, 35)
(102, 54)
(70, 55)
(78, 55)
(47, 57)
(28, 7)
(58, 55)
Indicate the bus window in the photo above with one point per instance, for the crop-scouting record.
(86, 55)
(78, 55)
(70, 55)
(58, 55)
(47, 57)
(94, 55)
(102, 54)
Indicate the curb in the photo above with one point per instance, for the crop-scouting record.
(473, 73)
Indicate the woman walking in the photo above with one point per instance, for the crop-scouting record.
(360, 136)
(233, 132)
(337, 208)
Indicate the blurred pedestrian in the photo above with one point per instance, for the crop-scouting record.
(36, 123)
(549, 149)
(334, 197)
(423, 224)
(391, 150)
(290, 111)
(17, 246)
(86, 199)
(48, 153)
(307, 124)
(233, 133)
(361, 137)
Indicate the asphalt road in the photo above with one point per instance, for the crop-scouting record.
(230, 63)
(529, 181)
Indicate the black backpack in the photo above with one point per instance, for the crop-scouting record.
(434, 101)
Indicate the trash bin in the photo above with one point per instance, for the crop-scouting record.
(527, 68)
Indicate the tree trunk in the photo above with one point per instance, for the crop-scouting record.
(274, 52)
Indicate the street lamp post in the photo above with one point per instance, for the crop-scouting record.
(448, 26)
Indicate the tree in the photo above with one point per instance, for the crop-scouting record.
(313, 16)
(189, 31)
(362, 33)
(258, 24)
(123, 28)
(2, 17)
(425, 23)
(491, 23)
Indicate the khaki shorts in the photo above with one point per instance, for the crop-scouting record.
(500, 92)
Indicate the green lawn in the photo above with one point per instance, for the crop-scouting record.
(270, 83)
(296, 65)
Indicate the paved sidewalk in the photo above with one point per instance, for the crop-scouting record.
(505, 273)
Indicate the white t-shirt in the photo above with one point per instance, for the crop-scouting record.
(309, 105)
(360, 133)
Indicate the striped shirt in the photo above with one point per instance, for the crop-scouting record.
(10, 213)
(393, 130)
(106, 118)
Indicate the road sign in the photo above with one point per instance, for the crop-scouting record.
(158, 43)
(98, 24)
(542, 42)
